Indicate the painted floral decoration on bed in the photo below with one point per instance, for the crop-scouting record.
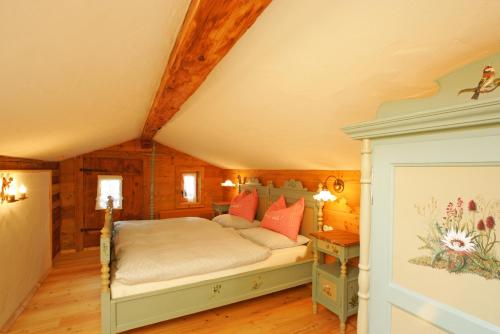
(462, 239)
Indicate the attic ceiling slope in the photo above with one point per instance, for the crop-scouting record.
(209, 31)
(79, 75)
(305, 69)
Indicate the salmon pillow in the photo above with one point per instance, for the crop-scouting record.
(279, 204)
(245, 205)
(285, 220)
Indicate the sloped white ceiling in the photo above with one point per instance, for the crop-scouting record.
(307, 68)
(79, 75)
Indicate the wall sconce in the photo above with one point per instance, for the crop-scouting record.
(338, 184)
(22, 192)
(228, 183)
(324, 195)
(8, 191)
(4, 194)
(240, 180)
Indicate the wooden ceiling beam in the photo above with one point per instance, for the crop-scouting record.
(13, 163)
(209, 30)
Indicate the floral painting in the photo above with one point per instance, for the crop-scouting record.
(461, 238)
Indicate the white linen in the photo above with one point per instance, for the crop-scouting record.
(270, 239)
(158, 250)
(279, 257)
(236, 222)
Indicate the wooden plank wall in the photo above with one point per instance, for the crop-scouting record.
(338, 214)
(72, 197)
(11, 163)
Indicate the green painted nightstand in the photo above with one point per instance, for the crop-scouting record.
(220, 208)
(335, 286)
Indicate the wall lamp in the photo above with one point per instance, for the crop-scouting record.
(338, 184)
(324, 195)
(8, 191)
(229, 183)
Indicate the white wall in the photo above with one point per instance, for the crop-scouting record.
(25, 249)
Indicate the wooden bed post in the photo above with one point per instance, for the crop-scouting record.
(364, 236)
(106, 231)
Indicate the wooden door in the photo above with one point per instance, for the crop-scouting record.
(131, 171)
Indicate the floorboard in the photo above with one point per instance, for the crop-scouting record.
(68, 302)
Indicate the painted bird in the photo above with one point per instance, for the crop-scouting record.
(487, 84)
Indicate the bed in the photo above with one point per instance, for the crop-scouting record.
(124, 307)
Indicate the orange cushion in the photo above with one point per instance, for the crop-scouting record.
(279, 204)
(245, 205)
(285, 220)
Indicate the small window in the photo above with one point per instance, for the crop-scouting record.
(109, 185)
(189, 187)
(189, 182)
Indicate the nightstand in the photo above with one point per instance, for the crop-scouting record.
(220, 208)
(335, 285)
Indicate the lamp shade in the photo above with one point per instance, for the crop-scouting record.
(227, 183)
(325, 196)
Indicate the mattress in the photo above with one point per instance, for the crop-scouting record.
(278, 257)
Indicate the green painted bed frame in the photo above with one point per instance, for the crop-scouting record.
(121, 314)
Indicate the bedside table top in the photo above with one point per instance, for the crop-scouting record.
(338, 237)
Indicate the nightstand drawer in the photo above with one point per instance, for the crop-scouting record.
(327, 289)
(329, 248)
(328, 292)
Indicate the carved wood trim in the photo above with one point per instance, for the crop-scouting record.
(294, 184)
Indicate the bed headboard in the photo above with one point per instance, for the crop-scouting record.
(292, 190)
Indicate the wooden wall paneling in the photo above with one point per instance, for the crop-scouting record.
(146, 184)
(79, 203)
(334, 215)
(67, 195)
(132, 190)
(56, 213)
(12, 163)
(126, 158)
(165, 183)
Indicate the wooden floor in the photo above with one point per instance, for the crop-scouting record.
(68, 302)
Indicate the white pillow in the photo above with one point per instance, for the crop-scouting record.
(271, 239)
(228, 220)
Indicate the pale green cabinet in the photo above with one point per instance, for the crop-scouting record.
(335, 285)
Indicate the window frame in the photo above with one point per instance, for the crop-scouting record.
(180, 201)
(117, 202)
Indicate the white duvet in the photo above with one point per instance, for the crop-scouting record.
(158, 250)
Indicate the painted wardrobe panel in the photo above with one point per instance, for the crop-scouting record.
(417, 183)
(435, 208)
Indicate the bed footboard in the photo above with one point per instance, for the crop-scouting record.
(107, 323)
